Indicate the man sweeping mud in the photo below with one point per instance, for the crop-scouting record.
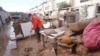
(37, 24)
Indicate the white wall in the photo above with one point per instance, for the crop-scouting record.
(91, 13)
(49, 5)
(35, 10)
(77, 3)
(68, 1)
(95, 1)
(31, 10)
(42, 9)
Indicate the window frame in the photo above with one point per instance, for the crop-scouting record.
(83, 1)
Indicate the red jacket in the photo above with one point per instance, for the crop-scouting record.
(36, 21)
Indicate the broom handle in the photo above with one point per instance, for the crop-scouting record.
(30, 37)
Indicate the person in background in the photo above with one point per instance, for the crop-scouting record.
(61, 20)
(65, 19)
(37, 24)
(29, 17)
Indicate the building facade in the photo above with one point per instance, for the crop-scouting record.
(41, 8)
(34, 10)
(51, 5)
(48, 6)
(87, 8)
(77, 3)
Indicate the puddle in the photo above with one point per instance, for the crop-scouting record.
(12, 37)
(11, 45)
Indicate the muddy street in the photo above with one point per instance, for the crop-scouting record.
(49, 27)
(31, 47)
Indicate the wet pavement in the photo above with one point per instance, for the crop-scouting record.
(7, 34)
(3, 39)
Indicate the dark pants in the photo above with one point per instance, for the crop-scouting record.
(60, 23)
(37, 32)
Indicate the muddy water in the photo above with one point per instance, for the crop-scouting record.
(9, 33)
(3, 38)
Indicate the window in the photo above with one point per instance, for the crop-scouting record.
(62, 4)
(98, 9)
(58, 4)
(83, 0)
(40, 9)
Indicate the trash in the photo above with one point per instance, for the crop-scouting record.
(69, 48)
(61, 50)
(78, 39)
(58, 34)
(50, 31)
(91, 35)
(81, 50)
(49, 52)
(73, 49)
(47, 25)
(17, 27)
(75, 33)
(77, 26)
(25, 51)
(19, 36)
(66, 39)
(28, 49)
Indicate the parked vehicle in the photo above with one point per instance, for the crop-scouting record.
(16, 17)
